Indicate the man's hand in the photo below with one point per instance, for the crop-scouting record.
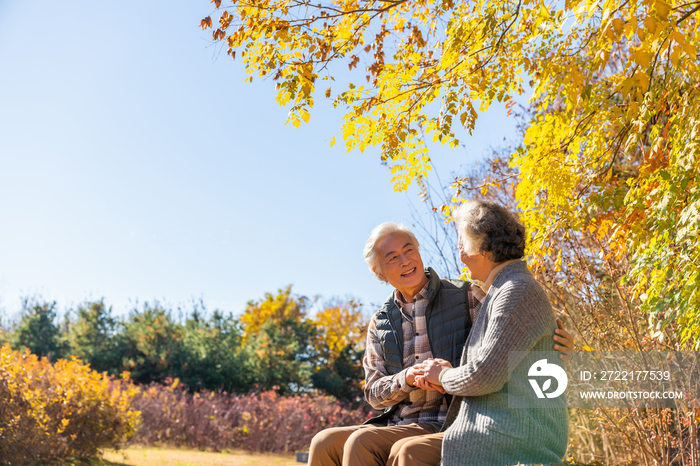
(566, 341)
(411, 374)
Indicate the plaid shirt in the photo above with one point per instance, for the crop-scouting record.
(383, 390)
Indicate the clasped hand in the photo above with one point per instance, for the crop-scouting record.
(425, 375)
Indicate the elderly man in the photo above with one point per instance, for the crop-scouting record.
(423, 318)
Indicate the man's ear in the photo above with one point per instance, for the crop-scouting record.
(380, 275)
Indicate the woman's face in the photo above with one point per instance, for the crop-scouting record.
(478, 265)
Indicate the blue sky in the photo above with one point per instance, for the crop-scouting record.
(135, 164)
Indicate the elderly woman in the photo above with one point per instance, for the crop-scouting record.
(482, 429)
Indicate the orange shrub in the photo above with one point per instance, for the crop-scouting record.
(61, 410)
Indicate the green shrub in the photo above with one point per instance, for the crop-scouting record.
(38, 331)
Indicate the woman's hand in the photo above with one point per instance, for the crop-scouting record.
(566, 346)
(420, 382)
(432, 368)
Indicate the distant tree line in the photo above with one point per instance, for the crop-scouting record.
(274, 344)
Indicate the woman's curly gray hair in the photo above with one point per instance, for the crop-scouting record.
(489, 228)
(380, 232)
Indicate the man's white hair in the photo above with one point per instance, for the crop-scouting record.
(380, 232)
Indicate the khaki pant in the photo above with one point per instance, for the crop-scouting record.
(369, 445)
(423, 450)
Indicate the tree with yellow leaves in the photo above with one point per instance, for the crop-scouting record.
(278, 338)
(612, 146)
(295, 353)
(340, 325)
(341, 331)
(279, 309)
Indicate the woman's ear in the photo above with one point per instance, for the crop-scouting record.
(487, 255)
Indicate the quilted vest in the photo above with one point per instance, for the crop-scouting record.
(447, 320)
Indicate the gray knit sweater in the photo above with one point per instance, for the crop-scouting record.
(481, 428)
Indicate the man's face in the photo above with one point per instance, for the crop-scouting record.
(401, 264)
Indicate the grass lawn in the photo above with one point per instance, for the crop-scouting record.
(150, 456)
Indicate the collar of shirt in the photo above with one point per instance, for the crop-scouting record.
(494, 273)
(407, 308)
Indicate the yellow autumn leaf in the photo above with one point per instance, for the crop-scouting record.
(642, 57)
(675, 56)
(618, 25)
(690, 50)
(662, 8)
